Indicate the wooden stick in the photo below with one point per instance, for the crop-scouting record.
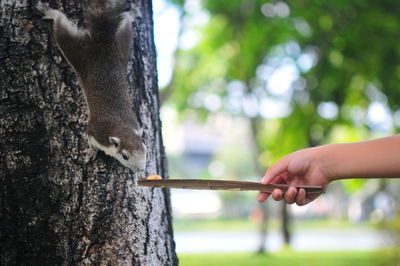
(222, 185)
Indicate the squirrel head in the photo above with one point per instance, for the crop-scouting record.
(129, 150)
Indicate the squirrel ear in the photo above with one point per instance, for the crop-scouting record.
(114, 141)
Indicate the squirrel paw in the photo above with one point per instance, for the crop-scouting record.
(46, 10)
(91, 155)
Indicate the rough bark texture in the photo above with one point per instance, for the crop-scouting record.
(55, 209)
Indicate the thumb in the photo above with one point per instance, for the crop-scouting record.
(275, 170)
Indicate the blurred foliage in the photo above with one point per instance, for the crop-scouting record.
(343, 54)
(392, 229)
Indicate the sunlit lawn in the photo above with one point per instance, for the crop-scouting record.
(362, 258)
(288, 257)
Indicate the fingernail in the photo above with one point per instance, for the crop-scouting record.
(258, 197)
(264, 180)
(261, 197)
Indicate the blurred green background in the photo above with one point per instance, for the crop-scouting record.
(245, 82)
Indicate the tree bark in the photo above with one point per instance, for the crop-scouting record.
(55, 209)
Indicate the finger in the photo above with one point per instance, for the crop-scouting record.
(275, 170)
(290, 195)
(311, 198)
(279, 179)
(262, 196)
(277, 194)
(301, 197)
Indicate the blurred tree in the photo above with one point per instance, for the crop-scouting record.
(304, 72)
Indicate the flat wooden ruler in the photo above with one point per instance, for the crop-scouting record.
(221, 185)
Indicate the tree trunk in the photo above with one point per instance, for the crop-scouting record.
(256, 151)
(55, 209)
(285, 216)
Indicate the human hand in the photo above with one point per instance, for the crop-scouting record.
(306, 167)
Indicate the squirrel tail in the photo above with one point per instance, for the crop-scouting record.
(104, 17)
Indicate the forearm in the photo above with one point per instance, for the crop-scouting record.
(369, 159)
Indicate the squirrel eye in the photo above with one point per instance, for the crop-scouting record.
(125, 156)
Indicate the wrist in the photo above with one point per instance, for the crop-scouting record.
(329, 158)
(341, 160)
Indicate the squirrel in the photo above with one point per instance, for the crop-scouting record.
(99, 55)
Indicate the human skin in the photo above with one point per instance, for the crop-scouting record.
(322, 165)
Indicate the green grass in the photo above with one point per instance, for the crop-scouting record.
(247, 225)
(291, 258)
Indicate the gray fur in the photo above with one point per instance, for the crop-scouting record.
(99, 55)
